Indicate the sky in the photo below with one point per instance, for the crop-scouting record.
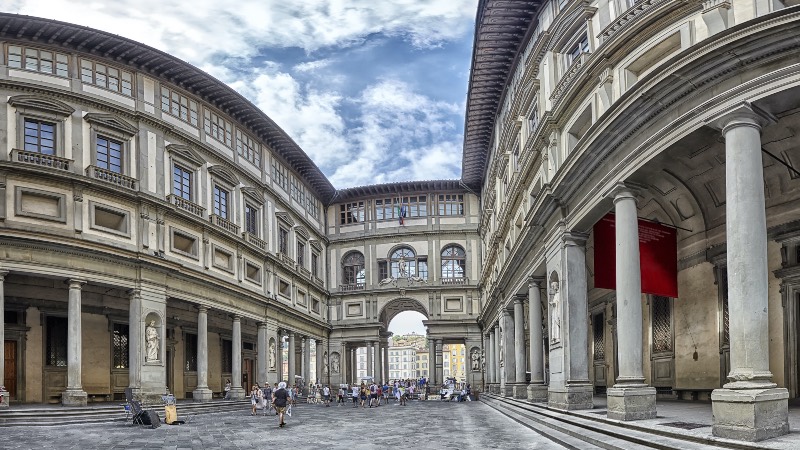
(374, 91)
(408, 322)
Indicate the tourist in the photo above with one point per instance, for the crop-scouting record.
(255, 398)
(340, 397)
(363, 394)
(227, 389)
(266, 398)
(279, 398)
(385, 390)
(326, 396)
(380, 395)
(355, 392)
(373, 394)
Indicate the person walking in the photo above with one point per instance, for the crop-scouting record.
(280, 398)
(266, 398)
(227, 389)
(364, 394)
(255, 398)
(355, 392)
(326, 396)
(340, 398)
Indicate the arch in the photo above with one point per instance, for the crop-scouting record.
(453, 262)
(394, 307)
(225, 174)
(353, 268)
(403, 263)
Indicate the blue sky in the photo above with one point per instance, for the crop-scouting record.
(374, 91)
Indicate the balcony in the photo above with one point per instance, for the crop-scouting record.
(303, 271)
(40, 159)
(454, 281)
(284, 258)
(255, 240)
(351, 287)
(186, 205)
(224, 223)
(318, 281)
(114, 178)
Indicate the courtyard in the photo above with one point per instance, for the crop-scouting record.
(419, 425)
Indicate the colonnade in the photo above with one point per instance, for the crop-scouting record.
(300, 345)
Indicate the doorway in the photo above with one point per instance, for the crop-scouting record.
(10, 372)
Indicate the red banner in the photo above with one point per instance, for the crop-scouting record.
(658, 257)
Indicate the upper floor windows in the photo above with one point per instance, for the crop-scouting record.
(182, 182)
(40, 136)
(311, 206)
(301, 253)
(248, 148)
(315, 264)
(454, 261)
(398, 208)
(109, 154)
(577, 50)
(353, 268)
(352, 213)
(298, 191)
(221, 201)
(43, 61)
(218, 128)
(251, 219)
(106, 77)
(280, 175)
(283, 240)
(179, 106)
(403, 263)
(451, 205)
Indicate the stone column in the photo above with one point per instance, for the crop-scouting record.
(237, 390)
(354, 363)
(262, 345)
(750, 406)
(569, 359)
(279, 356)
(489, 354)
(439, 362)
(520, 384)
(378, 362)
(537, 390)
(307, 361)
(74, 395)
(508, 349)
(135, 342)
(630, 398)
(432, 364)
(385, 361)
(498, 375)
(291, 372)
(3, 274)
(370, 370)
(318, 362)
(202, 393)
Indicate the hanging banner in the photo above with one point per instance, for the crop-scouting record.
(658, 257)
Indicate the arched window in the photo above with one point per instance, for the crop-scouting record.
(454, 261)
(353, 269)
(404, 263)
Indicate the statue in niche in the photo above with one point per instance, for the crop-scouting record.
(325, 363)
(555, 312)
(502, 348)
(475, 358)
(335, 362)
(151, 339)
(272, 355)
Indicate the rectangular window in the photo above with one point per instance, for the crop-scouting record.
(352, 213)
(56, 351)
(451, 204)
(220, 202)
(383, 270)
(248, 148)
(120, 337)
(581, 47)
(311, 205)
(38, 60)
(182, 183)
(422, 268)
(283, 240)
(179, 106)
(190, 351)
(279, 173)
(218, 128)
(40, 137)
(301, 253)
(251, 219)
(106, 77)
(315, 264)
(109, 154)
(227, 356)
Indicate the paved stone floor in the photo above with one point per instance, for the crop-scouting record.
(420, 425)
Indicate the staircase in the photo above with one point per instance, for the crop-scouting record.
(43, 415)
(578, 432)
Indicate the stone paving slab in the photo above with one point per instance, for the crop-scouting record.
(420, 425)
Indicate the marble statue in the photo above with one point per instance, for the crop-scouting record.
(555, 312)
(475, 358)
(401, 268)
(272, 355)
(151, 337)
(335, 362)
(325, 363)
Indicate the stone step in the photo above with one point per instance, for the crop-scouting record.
(605, 433)
(48, 416)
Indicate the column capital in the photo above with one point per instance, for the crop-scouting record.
(76, 283)
(3, 274)
(520, 299)
(506, 312)
(202, 309)
(237, 318)
(262, 325)
(574, 238)
(535, 282)
(624, 190)
(739, 115)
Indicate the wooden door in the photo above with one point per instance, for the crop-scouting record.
(11, 368)
(662, 351)
(248, 380)
(599, 352)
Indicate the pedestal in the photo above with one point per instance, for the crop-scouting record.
(571, 397)
(76, 397)
(631, 403)
(237, 393)
(537, 393)
(750, 414)
(507, 390)
(520, 391)
(202, 395)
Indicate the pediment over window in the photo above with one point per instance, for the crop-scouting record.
(41, 104)
(111, 121)
(301, 230)
(225, 174)
(315, 244)
(185, 152)
(254, 194)
(285, 218)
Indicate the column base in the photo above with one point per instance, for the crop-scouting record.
(631, 403)
(202, 395)
(521, 391)
(750, 414)
(537, 393)
(571, 397)
(507, 390)
(236, 393)
(74, 397)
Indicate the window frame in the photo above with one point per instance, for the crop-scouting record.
(446, 203)
(219, 207)
(50, 340)
(227, 129)
(24, 57)
(122, 363)
(248, 220)
(300, 252)
(346, 216)
(192, 180)
(190, 352)
(283, 240)
(251, 155)
(453, 260)
(121, 79)
(350, 273)
(189, 102)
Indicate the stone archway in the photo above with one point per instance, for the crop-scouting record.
(398, 305)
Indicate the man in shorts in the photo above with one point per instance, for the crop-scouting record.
(280, 398)
(326, 395)
(373, 395)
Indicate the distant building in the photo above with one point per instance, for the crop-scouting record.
(402, 362)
